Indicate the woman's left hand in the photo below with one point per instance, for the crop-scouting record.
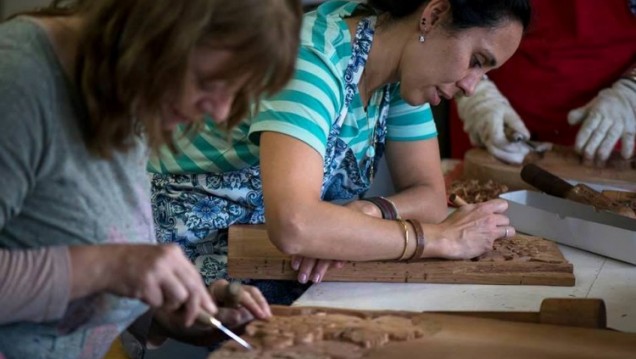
(311, 269)
(236, 296)
(606, 120)
(236, 308)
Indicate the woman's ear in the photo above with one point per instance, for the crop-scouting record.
(434, 11)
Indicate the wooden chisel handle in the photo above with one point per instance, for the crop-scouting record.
(581, 193)
(545, 181)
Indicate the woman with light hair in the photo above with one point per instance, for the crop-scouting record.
(87, 89)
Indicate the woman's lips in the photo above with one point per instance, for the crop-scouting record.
(179, 117)
(436, 99)
(438, 95)
(443, 94)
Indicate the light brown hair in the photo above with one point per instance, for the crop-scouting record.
(133, 55)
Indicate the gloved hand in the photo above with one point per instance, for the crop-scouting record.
(487, 115)
(606, 119)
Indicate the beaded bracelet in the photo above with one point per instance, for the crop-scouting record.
(419, 240)
(387, 208)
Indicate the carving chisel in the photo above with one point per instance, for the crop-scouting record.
(210, 320)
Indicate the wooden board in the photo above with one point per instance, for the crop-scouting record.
(522, 260)
(479, 164)
(306, 332)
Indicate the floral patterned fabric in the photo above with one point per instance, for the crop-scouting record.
(196, 210)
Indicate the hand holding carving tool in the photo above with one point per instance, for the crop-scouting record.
(515, 136)
(207, 319)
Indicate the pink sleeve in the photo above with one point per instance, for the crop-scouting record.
(34, 284)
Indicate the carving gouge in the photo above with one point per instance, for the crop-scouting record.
(210, 320)
(514, 136)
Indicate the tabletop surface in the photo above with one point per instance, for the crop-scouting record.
(596, 277)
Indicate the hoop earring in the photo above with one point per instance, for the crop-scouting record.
(421, 38)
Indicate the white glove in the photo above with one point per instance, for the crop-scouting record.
(487, 116)
(606, 119)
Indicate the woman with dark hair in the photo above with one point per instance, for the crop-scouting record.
(365, 78)
(85, 89)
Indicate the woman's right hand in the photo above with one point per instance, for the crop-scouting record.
(487, 116)
(158, 275)
(469, 231)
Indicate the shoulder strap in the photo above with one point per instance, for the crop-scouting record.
(359, 55)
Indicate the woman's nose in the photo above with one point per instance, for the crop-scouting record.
(468, 83)
(218, 106)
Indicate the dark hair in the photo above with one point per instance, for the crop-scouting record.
(465, 13)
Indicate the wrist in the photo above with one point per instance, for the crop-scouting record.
(626, 89)
(414, 242)
(89, 272)
(630, 74)
(437, 245)
(409, 244)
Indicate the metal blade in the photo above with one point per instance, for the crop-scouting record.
(230, 333)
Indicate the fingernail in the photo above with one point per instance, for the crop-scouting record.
(295, 264)
(302, 278)
(316, 278)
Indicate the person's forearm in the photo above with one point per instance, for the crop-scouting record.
(424, 203)
(34, 284)
(418, 180)
(300, 223)
(328, 231)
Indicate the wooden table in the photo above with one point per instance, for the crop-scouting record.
(596, 277)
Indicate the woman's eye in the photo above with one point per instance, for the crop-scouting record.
(209, 85)
(205, 84)
(474, 62)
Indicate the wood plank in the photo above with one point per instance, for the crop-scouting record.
(562, 162)
(573, 312)
(392, 334)
(536, 262)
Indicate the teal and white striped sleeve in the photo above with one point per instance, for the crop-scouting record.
(306, 108)
(409, 123)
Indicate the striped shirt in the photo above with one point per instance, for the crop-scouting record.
(305, 109)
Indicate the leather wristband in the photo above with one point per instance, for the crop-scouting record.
(419, 240)
(387, 208)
